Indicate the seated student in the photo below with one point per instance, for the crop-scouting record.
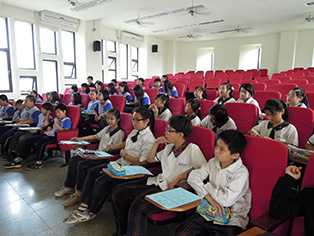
(158, 86)
(226, 186)
(140, 82)
(140, 97)
(62, 122)
(246, 95)
(22, 141)
(286, 202)
(225, 94)
(28, 115)
(112, 89)
(191, 108)
(39, 99)
(111, 135)
(85, 89)
(276, 127)
(115, 82)
(98, 185)
(169, 88)
(99, 86)
(6, 109)
(73, 89)
(90, 81)
(125, 91)
(200, 93)
(218, 119)
(161, 107)
(297, 98)
(93, 99)
(76, 100)
(54, 98)
(310, 143)
(177, 159)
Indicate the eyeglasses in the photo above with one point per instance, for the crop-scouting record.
(136, 120)
(290, 95)
(170, 131)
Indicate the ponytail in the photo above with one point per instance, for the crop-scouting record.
(301, 93)
(147, 114)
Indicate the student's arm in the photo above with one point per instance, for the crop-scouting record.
(66, 124)
(309, 146)
(90, 137)
(47, 120)
(132, 159)
(28, 121)
(119, 146)
(292, 137)
(152, 153)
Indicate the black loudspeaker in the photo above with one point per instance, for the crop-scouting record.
(96, 46)
(155, 48)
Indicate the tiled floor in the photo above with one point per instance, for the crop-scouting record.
(29, 207)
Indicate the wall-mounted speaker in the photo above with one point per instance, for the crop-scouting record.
(155, 48)
(96, 46)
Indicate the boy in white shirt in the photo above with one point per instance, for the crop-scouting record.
(227, 186)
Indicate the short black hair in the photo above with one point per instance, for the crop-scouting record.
(77, 98)
(220, 114)
(248, 87)
(105, 93)
(141, 79)
(74, 88)
(31, 98)
(234, 139)
(114, 81)
(274, 105)
(47, 106)
(19, 102)
(61, 107)
(181, 124)
(157, 80)
(85, 85)
(4, 97)
(111, 88)
(195, 104)
(90, 77)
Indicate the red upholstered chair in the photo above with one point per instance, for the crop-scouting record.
(205, 105)
(244, 115)
(211, 94)
(85, 98)
(180, 88)
(152, 93)
(183, 81)
(67, 90)
(309, 88)
(117, 101)
(236, 86)
(260, 86)
(160, 127)
(126, 123)
(300, 82)
(255, 73)
(284, 89)
(261, 79)
(235, 78)
(222, 75)
(284, 79)
(195, 83)
(177, 106)
(309, 78)
(246, 75)
(44, 96)
(212, 82)
(209, 73)
(310, 97)
(264, 72)
(263, 96)
(67, 98)
(236, 94)
(271, 83)
(249, 81)
(303, 120)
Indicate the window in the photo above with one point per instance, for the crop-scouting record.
(27, 84)
(112, 68)
(48, 42)
(5, 68)
(205, 59)
(69, 57)
(24, 34)
(111, 46)
(134, 59)
(124, 61)
(250, 56)
(50, 75)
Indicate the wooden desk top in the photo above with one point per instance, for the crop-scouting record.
(253, 231)
(108, 172)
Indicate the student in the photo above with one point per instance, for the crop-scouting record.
(115, 82)
(110, 136)
(157, 83)
(200, 93)
(124, 91)
(18, 108)
(62, 122)
(93, 99)
(54, 98)
(99, 86)
(140, 97)
(246, 95)
(76, 100)
(276, 127)
(74, 89)
(23, 141)
(286, 202)
(226, 185)
(297, 98)
(177, 159)
(6, 109)
(85, 88)
(90, 81)
(218, 119)
(191, 108)
(225, 94)
(140, 82)
(39, 99)
(111, 88)
(169, 88)
(97, 185)
(161, 107)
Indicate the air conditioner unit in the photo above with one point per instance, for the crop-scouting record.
(132, 39)
(48, 17)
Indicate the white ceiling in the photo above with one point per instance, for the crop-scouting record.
(260, 16)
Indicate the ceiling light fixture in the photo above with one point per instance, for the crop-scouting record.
(85, 6)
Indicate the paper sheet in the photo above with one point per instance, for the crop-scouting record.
(136, 170)
(80, 142)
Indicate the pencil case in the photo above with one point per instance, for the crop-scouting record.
(208, 211)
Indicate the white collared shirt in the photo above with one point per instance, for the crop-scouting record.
(251, 100)
(230, 124)
(229, 187)
(165, 115)
(105, 138)
(230, 100)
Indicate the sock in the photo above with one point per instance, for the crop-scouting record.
(17, 159)
(39, 162)
(82, 208)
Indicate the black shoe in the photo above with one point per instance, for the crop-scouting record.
(13, 164)
(11, 156)
(35, 166)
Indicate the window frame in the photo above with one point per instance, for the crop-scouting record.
(115, 70)
(71, 63)
(135, 60)
(55, 40)
(7, 51)
(127, 61)
(57, 72)
(34, 83)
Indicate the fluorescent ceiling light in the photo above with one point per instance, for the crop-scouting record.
(85, 6)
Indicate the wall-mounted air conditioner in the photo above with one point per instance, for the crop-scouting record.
(55, 19)
(132, 39)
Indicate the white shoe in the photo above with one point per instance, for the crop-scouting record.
(64, 191)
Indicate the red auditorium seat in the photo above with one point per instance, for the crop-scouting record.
(263, 96)
(152, 93)
(177, 106)
(284, 89)
(117, 101)
(205, 105)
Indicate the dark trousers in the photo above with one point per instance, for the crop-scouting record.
(77, 171)
(6, 138)
(130, 207)
(197, 225)
(97, 188)
(25, 144)
(42, 142)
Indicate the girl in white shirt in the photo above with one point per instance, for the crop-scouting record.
(200, 93)
(276, 127)
(246, 95)
(225, 94)
(161, 107)
(191, 109)
(297, 98)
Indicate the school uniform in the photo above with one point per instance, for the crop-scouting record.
(98, 186)
(38, 100)
(127, 96)
(196, 121)
(300, 104)
(49, 137)
(221, 101)
(230, 124)
(77, 105)
(90, 105)
(102, 108)
(79, 166)
(160, 89)
(92, 85)
(285, 132)
(311, 140)
(145, 100)
(251, 100)
(128, 199)
(6, 111)
(173, 92)
(165, 114)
